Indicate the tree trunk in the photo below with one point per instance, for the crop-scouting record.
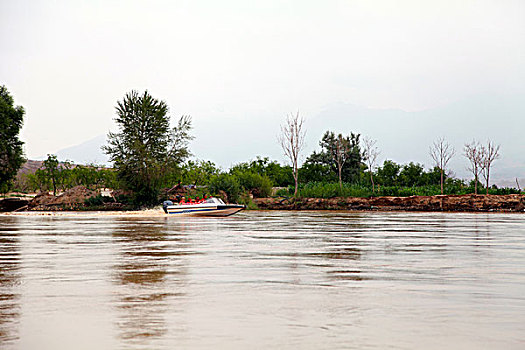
(441, 181)
(488, 175)
(372, 180)
(340, 182)
(476, 184)
(296, 175)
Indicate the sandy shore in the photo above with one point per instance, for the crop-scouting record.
(132, 213)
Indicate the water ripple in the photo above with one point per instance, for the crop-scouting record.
(264, 278)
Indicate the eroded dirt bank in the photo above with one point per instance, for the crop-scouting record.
(465, 203)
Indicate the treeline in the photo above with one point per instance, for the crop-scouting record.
(149, 157)
(242, 181)
(54, 176)
(345, 167)
(318, 177)
(257, 178)
(319, 180)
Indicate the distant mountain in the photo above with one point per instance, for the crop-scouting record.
(406, 136)
(87, 152)
(30, 166)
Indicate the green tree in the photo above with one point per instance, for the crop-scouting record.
(316, 169)
(11, 153)
(387, 175)
(411, 175)
(145, 148)
(279, 175)
(199, 172)
(65, 177)
(91, 176)
(227, 183)
(178, 146)
(252, 180)
(342, 154)
(433, 176)
(51, 171)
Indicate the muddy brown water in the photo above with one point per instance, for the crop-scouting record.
(263, 280)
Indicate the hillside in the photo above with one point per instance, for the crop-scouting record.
(30, 166)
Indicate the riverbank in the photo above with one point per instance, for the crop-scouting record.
(78, 198)
(452, 203)
(145, 213)
(75, 201)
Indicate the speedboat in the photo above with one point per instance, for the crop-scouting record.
(210, 207)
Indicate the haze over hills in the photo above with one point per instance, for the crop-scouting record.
(406, 136)
(87, 152)
(401, 136)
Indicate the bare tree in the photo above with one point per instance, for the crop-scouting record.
(370, 153)
(474, 153)
(292, 142)
(340, 154)
(441, 152)
(490, 154)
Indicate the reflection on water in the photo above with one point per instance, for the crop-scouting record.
(293, 280)
(9, 281)
(147, 256)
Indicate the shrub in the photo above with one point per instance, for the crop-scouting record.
(331, 189)
(227, 183)
(97, 200)
(258, 185)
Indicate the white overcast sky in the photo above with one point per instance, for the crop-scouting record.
(68, 62)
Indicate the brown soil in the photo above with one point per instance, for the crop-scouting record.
(69, 200)
(462, 203)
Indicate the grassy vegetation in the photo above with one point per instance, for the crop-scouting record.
(331, 190)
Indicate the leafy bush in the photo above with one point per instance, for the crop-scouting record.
(279, 175)
(331, 189)
(97, 200)
(258, 185)
(227, 183)
(501, 191)
(285, 192)
(124, 199)
(199, 172)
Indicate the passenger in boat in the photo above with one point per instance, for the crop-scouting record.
(182, 200)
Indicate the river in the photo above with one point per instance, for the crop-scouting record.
(263, 280)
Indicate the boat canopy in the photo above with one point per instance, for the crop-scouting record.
(213, 200)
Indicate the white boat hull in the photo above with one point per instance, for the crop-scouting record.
(211, 207)
(196, 210)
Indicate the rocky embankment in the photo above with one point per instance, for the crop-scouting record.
(455, 203)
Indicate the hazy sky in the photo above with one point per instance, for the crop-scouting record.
(242, 62)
